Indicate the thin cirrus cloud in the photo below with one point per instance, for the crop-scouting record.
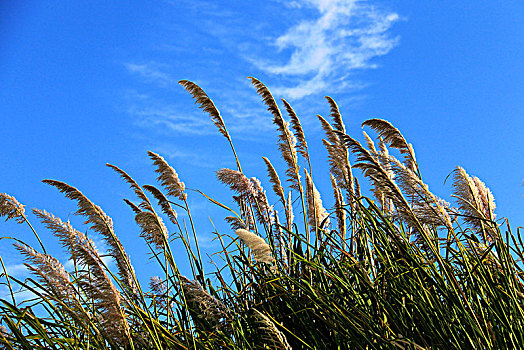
(151, 73)
(330, 40)
(344, 37)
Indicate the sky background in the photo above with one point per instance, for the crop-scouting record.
(88, 83)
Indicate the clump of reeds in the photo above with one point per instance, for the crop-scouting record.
(403, 269)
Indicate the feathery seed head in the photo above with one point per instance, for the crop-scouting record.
(237, 181)
(11, 208)
(315, 211)
(257, 244)
(101, 223)
(163, 202)
(263, 210)
(145, 204)
(287, 140)
(204, 304)
(289, 211)
(206, 104)
(335, 115)
(475, 200)
(153, 229)
(49, 270)
(168, 177)
(271, 336)
(135, 208)
(339, 207)
(275, 180)
(394, 138)
(298, 131)
(157, 285)
(235, 223)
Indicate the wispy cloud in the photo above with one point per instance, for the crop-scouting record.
(152, 72)
(345, 36)
(317, 50)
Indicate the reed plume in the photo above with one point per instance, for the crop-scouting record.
(394, 138)
(260, 248)
(97, 285)
(269, 334)
(207, 105)
(135, 208)
(94, 280)
(298, 131)
(152, 229)
(275, 181)
(49, 271)
(11, 208)
(236, 181)
(476, 202)
(428, 208)
(144, 204)
(163, 202)
(102, 224)
(245, 211)
(317, 215)
(249, 189)
(338, 157)
(159, 290)
(235, 223)
(289, 211)
(335, 115)
(279, 191)
(380, 180)
(339, 208)
(168, 177)
(287, 141)
(264, 211)
(203, 304)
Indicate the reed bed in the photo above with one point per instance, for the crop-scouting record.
(403, 269)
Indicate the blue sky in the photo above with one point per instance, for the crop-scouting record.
(85, 83)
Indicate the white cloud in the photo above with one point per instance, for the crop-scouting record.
(345, 36)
